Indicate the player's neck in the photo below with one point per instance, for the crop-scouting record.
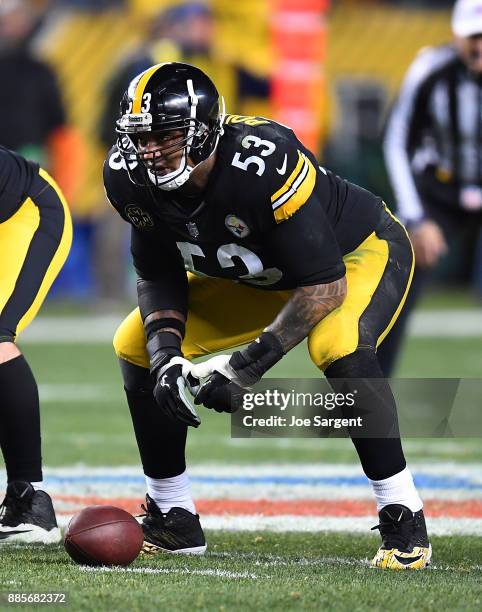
(199, 178)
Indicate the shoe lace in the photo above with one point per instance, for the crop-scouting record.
(395, 534)
(147, 512)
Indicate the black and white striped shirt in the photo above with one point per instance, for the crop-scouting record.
(436, 122)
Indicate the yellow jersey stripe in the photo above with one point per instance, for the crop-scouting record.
(141, 85)
(290, 180)
(292, 190)
(298, 194)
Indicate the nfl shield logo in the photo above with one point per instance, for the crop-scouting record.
(192, 229)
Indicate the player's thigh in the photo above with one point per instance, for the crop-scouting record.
(222, 315)
(379, 274)
(35, 243)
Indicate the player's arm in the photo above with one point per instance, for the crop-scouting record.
(305, 309)
(162, 287)
(162, 291)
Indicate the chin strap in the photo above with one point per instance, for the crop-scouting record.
(177, 181)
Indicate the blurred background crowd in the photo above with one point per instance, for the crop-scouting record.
(329, 69)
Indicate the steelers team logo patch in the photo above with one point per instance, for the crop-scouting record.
(236, 226)
(138, 217)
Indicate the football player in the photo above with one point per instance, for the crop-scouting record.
(277, 249)
(35, 238)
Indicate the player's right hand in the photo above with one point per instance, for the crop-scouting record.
(428, 243)
(220, 394)
(170, 391)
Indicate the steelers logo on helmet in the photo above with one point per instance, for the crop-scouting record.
(171, 120)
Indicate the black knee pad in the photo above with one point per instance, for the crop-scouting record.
(363, 363)
(136, 379)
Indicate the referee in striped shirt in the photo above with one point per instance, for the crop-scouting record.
(433, 153)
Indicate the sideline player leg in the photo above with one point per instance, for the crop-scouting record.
(35, 244)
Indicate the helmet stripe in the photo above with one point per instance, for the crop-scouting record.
(141, 85)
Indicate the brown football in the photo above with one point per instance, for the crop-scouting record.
(103, 535)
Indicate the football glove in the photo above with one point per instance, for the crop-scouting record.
(228, 376)
(220, 394)
(167, 364)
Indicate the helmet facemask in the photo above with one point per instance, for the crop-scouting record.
(197, 141)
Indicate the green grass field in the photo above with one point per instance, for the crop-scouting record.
(85, 421)
(256, 571)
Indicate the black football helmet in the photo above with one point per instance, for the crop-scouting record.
(167, 98)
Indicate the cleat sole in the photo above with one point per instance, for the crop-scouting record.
(29, 534)
(151, 549)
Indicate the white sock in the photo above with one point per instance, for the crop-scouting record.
(37, 485)
(171, 492)
(398, 489)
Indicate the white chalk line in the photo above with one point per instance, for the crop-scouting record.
(100, 329)
(454, 482)
(319, 524)
(215, 573)
(269, 560)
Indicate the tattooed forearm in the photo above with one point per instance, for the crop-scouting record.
(166, 314)
(306, 307)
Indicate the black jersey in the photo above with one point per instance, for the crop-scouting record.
(270, 215)
(16, 179)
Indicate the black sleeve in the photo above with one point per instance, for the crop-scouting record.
(160, 268)
(119, 189)
(305, 248)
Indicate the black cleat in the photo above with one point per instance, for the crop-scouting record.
(177, 531)
(405, 540)
(27, 516)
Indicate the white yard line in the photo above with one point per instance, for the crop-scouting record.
(99, 329)
(73, 393)
(216, 573)
(445, 481)
(320, 524)
(446, 323)
(269, 560)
